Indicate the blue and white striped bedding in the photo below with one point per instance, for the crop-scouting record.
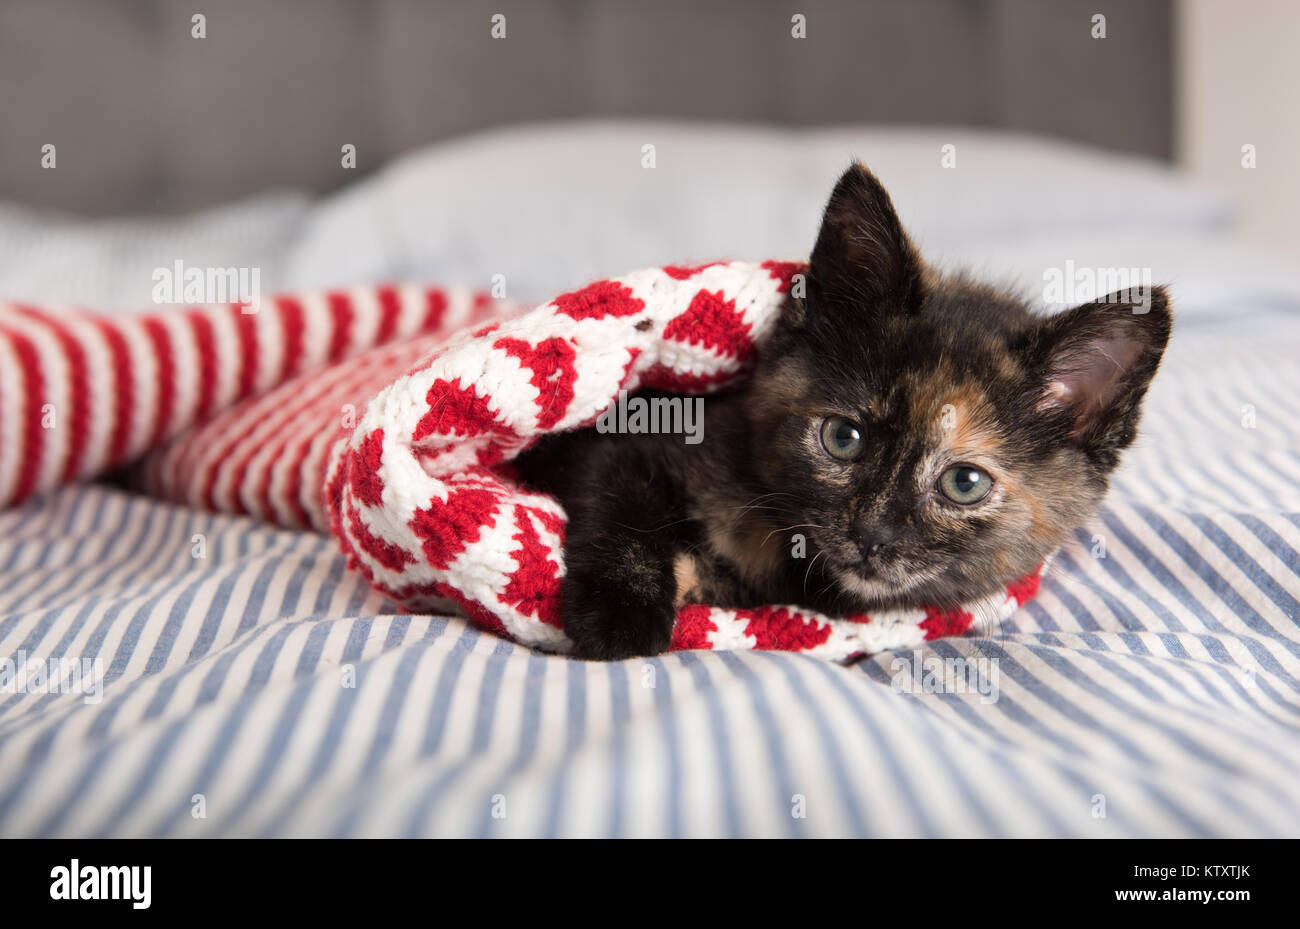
(1152, 688)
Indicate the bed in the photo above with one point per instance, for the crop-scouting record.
(1152, 688)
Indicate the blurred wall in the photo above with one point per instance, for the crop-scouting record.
(145, 117)
(1239, 84)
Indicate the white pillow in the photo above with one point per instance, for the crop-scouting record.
(108, 264)
(552, 205)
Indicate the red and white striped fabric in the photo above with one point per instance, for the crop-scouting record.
(82, 393)
(389, 416)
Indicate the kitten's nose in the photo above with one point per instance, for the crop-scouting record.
(873, 539)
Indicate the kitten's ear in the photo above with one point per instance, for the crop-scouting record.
(863, 257)
(1095, 363)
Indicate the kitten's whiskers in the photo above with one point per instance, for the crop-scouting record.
(809, 571)
(788, 528)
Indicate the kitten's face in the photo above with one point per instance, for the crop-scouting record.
(931, 437)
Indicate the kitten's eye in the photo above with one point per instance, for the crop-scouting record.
(964, 484)
(842, 438)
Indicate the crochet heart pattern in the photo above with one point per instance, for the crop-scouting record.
(389, 416)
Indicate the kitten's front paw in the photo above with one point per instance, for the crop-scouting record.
(609, 623)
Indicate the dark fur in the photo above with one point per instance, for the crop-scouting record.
(937, 371)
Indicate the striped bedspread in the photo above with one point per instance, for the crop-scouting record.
(171, 672)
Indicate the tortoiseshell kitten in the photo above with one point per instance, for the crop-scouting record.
(928, 436)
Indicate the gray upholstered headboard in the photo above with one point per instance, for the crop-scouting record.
(146, 118)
